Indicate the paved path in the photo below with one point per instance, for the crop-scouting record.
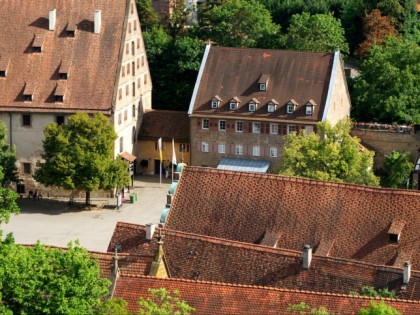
(53, 222)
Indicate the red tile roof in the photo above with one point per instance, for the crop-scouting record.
(297, 75)
(165, 124)
(245, 206)
(221, 298)
(92, 58)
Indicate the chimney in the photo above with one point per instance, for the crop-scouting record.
(407, 272)
(150, 230)
(52, 17)
(307, 256)
(97, 21)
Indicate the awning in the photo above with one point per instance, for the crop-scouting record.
(244, 165)
(128, 157)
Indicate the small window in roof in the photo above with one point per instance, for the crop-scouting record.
(215, 102)
(253, 105)
(395, 230)
(28, 92)
(71, 29)
(234, 103)
(60, 91)
(291, 107)
(64, 70)
(309, 107)
(263, 82)
(4, 63)
(38, 42)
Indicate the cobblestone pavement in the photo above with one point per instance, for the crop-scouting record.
(54, 222)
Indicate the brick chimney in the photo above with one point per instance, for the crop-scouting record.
(307, 256)
(150, 230)
(97, 21)
(51, 19)
(406, 272)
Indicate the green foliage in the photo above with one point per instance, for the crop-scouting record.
(239, 23)
(387, 88)
(319, 32)
(331, 154)
(370, 291)
(379, 309)
(7, 159)
(162, 303)
(7, 203)
(113, 307)
(79, 155)
(147, 15)
(398, 168)
(303, 309)
(41, 280)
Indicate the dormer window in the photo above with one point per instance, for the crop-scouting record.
(394, 231)
(234, 103)
(64, 70)
(291, 107)
(309, 108)
(38, 42)
(28, 92)
(263, 82)
(253, 105)
(272, 106)
(60, 91)
(4, 63)
(215, 102)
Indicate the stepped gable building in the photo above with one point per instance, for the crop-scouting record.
(58, 58)
(371, 225)
(245, 100)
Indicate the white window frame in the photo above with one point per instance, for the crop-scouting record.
(239, 149)
(207, 123)
(273, 152)
(221, 148)
(291, 128)
(241, 124)
(256, 127)
(256, 150)
(309, 130)
(271, 108)
(214, 104)
(204, 147)
(233, 105)
(252, 107)
(274, 129)
(222, 123)
(308, 110)
(290, 108)
(263, 87)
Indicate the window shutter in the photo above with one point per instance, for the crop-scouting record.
(284, 129)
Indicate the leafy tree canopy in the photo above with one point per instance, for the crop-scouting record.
(378, 309)
(370, 291)
(398, 168)
(319, 32)
(331, 154)
(41, 280)
(147, 15)
(79, 155)
(7, 203)
(113, 307)
(163, 303)
(7, 159)
(387, 88)
(304, 309)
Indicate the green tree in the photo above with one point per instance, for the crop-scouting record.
(240, 23)
(370, 291)
(163, 303)
(113, 307)
(147, 15)
(331, 154)
(319, 32)
(7, 203)
(41, 280)
(379, 309)
(79, 155)
(304, 309)
(387, 88)
(398, 169)
(7, 159)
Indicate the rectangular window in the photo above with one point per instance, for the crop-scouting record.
(26, 120)
(119, 119)
(127, 48)
(128, 69)
(239, 126)
(59, 120)
(271, 108)
(27, 168)
(309, 129)
(256, 127)
(138, 43)
(125, 115)
(135, 25)
(290, 109)
(2, 73)
(222, 125)
(273, 152)
(274, 129)
(142, 61)
(134, 111)
(127, 90)
(204, 147)
(309, 110)
(214, 104)
(145, 79)
(119, 94)
(184, 147)
(256, 150)
(252, 107)
(262, 87)
(221, 148)
(121, 144)
(205, 124)
(291, 128)
(233, 106)
(129, 27)
(239, 149)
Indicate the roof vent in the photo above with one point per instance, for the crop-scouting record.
(97, 21)
(407, 272)
(150, 230)
(307, 256)
(52, 17)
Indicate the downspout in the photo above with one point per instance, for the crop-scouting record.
(10, 132)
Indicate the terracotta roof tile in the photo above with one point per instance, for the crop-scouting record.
(242, 206)
(166, 124)
(94, 57)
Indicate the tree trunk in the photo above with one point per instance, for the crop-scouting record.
(87, 199)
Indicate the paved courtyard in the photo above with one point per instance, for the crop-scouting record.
(53, 222)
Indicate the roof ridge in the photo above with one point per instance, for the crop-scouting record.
(275, 50)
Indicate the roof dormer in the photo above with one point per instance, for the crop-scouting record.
(4, 64)
(38, 42)
(253, 105)
(234, 103)
(60, 92)
(215, 102)
(28, 92)
(263, 82)
(291, 107)
(64, 70)
(272, 106)
(309, 107)
(71, 29)
(395, 230)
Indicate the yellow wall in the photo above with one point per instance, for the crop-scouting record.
(147, 151)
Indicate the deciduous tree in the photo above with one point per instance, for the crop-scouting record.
(331, 154)
(398, 168)
(378, 309)
(164, 303)
(79, 155)
(7, 159)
